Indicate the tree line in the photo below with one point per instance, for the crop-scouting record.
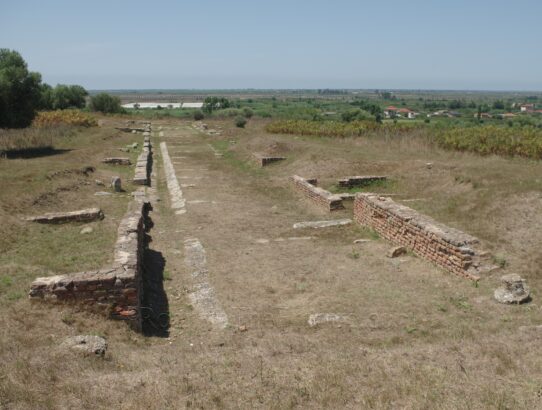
(22, 94)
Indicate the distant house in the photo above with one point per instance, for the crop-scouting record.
(407, 113)
(390, 111)
(445, 113)
(526, 107)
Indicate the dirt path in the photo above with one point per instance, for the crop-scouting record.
(262, 314)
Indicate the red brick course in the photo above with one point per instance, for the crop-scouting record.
(320, 197)
(449, 248)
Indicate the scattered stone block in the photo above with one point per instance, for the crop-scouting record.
(99, 183)
(86, 344)
(86, 230)
(320, 318)
(513, 290)
(362, 241)
(322, 224)
(359, 181)
(116, 184)
(102, 193)
(117, 161)
(396, 251)
(84, 215)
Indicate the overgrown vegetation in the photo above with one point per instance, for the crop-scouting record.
(485, 140)
(333, 128)
(64, 117)
(18, 140)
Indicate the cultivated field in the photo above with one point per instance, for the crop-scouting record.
(241, 283)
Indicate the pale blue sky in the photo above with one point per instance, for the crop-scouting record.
(477, 44)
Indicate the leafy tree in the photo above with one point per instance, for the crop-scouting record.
(69, 96)
(46, 97)
(213, 103)
(19, 90)
(498, 105)
(105, 103)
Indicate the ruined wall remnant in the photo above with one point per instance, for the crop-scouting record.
(318, 196)
(144, 162)
(118, 289)
(358, 181)
(264, 160)
(449, 248)
(84, 215)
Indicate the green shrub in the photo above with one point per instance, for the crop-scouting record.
(198, 115)
(240, 122)
(105, 103)
(247, 112)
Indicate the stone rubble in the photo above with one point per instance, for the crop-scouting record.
(513, 290)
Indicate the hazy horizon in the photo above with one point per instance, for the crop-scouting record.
(459, 46)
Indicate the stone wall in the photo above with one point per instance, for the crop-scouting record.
(322, 198)
(264, 160)
(117, 290)
(144, 161)
(449, 248)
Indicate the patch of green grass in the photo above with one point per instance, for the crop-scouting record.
(167, 275)
(385, 185)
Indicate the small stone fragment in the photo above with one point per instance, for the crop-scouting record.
(99, 183)
(86, 230)
(362, 240)
(319, 318)
(513, 290)
(396, 251)
(116, 184)
(86, 344)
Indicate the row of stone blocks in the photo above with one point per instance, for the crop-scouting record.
(447, 247)
(144, 160)
(116, 290)
(319, 196)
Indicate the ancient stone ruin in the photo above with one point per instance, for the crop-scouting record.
(513, 290)
(264, 160)
(84, 215)
(449, 248)
(144, 162)
(319, 196)
(117, 161)
(116, 290)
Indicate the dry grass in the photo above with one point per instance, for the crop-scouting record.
(416, 337)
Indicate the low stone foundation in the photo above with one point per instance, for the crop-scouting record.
(318, 196)
(116, 290)
(264, 160)
(449, 248)
(84, 215)
(117, 161)
(357, 181)
(144, 163)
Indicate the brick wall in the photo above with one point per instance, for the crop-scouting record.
(320, 197)
(264, 160)
(449, 248)
(116, 290)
